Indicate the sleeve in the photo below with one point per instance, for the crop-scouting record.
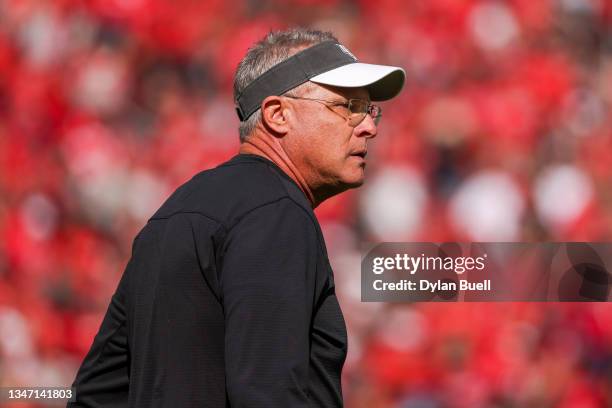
(103, 378)
(268, 288)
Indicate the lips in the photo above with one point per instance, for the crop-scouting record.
(360, 153)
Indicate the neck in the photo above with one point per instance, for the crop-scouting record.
(270, 148)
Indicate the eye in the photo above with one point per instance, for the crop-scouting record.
(358, 105)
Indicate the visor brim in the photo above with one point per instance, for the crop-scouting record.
(383, 82)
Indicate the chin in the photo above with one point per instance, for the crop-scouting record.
(356, 184)
(354, 180)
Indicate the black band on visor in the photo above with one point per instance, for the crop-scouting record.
(294, 71)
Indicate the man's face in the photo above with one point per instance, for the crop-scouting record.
(328, 150)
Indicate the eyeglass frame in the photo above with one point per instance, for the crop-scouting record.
(347, 105)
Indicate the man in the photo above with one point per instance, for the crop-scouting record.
(228, 298)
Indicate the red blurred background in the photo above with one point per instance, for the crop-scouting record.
(503, 133)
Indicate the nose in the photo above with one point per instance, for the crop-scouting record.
(367, 128)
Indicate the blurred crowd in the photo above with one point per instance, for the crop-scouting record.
(503, 133)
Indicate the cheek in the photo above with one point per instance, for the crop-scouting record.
(320, 152)
(332, 149)
(335, 137)
(326, 148)
(323, 143)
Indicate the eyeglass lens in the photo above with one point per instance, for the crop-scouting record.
(359, 108)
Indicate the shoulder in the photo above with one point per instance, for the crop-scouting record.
(229, 192)
(283, 214)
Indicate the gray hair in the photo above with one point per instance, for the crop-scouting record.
(274, 48)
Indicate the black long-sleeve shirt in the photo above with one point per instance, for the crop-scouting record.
(228, 300)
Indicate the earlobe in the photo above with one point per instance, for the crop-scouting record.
(274, 115)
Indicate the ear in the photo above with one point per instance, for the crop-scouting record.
(274, 115)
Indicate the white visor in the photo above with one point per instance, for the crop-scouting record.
(382, 81)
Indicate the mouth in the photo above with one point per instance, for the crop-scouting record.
(360, 153)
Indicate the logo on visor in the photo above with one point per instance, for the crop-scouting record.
(346, 51)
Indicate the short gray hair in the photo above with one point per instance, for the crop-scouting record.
(274, 48)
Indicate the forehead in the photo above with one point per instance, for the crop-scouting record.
(327, 92)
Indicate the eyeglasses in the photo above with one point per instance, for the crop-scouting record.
(358, 109)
